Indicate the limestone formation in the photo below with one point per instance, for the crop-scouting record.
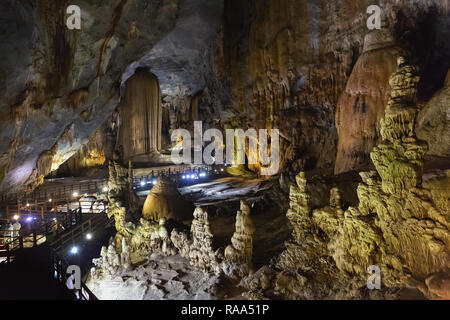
(399, 157)
(140, 132)
(400, 225)
(109, 263)
(125, 259)
(160, 240)
(165, 201)
(181, 241)
(140, 238)
(240, 250)
(201, 253)
(362, 103)
(122, 201)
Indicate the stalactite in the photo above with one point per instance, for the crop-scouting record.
(140, 131)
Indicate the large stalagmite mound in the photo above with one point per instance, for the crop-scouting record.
(165, 201)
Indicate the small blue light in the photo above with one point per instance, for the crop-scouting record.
(29, 219)
(74, 250)
(142, 183)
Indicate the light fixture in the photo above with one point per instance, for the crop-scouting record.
(75, 194)
(49, 200)
(202, 174)
(142, 183)
(221, 169)
(29, 219)
(184, 177)
(105, 189)
(28, 204)
(74, 250)
(16, 217)
(154, 181)
(89, 236)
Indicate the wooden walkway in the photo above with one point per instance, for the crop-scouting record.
(58, 233)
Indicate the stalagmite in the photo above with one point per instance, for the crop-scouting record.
(400, 225)
(165, 201)
(122, 201)
(240, 250)
(201, 253)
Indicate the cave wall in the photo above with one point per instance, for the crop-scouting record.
(93, 154)
(310, 68)
(315, 71)
(59, 85)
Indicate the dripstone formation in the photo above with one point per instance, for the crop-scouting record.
(165, 201)
(401, 224)
(240, 250)
(201, 253)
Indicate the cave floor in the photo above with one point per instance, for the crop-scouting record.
(162, 277)
(168, 278)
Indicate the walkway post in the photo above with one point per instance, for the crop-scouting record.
(34, 238)
(7, 253)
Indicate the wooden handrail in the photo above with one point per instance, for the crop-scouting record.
(78, 230)
(43, 229)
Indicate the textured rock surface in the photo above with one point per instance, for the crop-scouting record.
(241, 248)
(62, 75)
(165, 201)
(201, 251)
(122, 201)
(296, 65)
(401, 225)
(364, 99)
(141, 116)
(433, 122)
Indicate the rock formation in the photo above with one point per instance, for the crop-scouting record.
(361, 105)
(140, 132)
(240, 250)
(433, 122)
(122, 201)
(201, 251)
(400, 224)
(109, 263)
(125, 259)
(165, 201)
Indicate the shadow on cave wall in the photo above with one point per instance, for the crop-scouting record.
(425, 34)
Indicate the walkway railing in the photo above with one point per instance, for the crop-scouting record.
(75, 233)
(60, 274)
